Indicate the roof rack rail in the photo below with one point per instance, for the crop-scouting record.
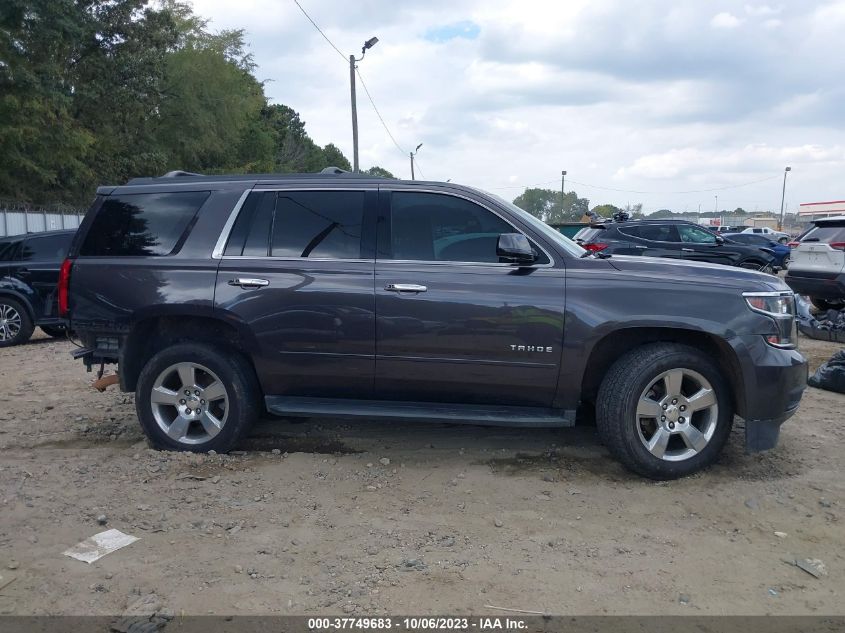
(178, 173)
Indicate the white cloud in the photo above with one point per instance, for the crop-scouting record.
(725, 21)
(637, 96)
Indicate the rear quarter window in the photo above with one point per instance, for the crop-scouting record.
(142, 224)
(588, 234)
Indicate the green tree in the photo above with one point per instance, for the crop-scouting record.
(333, 157)
(548, 205)
(606, 210)
(375, 170)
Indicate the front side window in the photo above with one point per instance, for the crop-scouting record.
(695, 234)
(141, 224)
(444, 228)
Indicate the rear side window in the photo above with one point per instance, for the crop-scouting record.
(47, 248)
(319, 224)
(142, 224)
(652, 232)
(316, 224)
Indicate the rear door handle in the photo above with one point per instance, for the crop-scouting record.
(688, 250)
(244, 282)
(405, 288)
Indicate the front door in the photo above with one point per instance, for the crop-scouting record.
(293, 275)
(703, 246)
(453, 323)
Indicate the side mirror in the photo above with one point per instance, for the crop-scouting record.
(514, 248)
(720, 239)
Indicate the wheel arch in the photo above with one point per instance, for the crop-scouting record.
(152, 334)
(606, 351)
(20, 298)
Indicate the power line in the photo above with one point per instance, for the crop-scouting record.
(320, 31)
(378, 114)
(584, 184)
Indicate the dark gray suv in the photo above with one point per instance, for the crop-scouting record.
(339, 295)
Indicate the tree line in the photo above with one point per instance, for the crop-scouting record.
(99, 91)
(553, 207)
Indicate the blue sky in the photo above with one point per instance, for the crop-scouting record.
(668, 103)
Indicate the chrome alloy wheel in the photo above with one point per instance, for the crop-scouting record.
(189, 403)
(10, 322)
(677, 415)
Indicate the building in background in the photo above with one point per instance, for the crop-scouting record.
(808, 211)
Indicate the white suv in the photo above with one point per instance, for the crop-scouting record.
(778, 236)
(817, 266)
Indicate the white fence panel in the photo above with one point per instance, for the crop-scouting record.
(20, 222)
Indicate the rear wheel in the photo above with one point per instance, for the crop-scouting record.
(191, 397)
(828, 304)
(15, 325)
(664, 410)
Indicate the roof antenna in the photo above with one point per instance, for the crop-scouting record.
(334, 171)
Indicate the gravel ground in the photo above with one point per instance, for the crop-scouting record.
(325, 517)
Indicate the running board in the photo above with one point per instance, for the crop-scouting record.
(487, 415)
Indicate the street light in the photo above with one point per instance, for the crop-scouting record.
(367, 45)
(412, 154)
(783, 197)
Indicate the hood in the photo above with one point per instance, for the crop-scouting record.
(696, 272)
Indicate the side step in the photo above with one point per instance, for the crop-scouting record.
(487, 415)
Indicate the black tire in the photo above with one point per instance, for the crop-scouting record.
(56, 331)
(619, 395)
(20, 320)
(827, 304)
(785, 263)
(235, 373)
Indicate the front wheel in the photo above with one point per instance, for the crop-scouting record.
(191, 397)
(664, 410)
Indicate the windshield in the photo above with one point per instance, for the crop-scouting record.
(541, 227)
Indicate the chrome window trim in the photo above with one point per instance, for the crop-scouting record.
(219, 247)
(412, 189)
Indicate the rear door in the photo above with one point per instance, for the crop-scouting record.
(652, 240)
(297, 273)
(37, 267)
(454, 324)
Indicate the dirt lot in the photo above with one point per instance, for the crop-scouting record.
(390, 519)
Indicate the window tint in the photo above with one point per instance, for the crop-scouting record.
(48, 248)
(826, 234)
(694, 234)
(652, 232)
(437, 227)
(141, 224)
(319, 224)
(7, 249)
(250, 236)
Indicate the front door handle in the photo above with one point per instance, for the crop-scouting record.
(248, 282)
(688, 250)
(405, 288)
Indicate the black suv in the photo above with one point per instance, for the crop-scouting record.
(674, 239)
(29, 272)
(221, 297)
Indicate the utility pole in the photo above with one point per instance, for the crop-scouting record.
(367, 45)
(354, 114)
(562, 193)
(412, 154)
(783, 197)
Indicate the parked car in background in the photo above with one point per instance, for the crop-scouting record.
(29, 272)
(818, 264)
(724, 229)
(780, 251)
(354, 296)
(780, 236)
(673, 239)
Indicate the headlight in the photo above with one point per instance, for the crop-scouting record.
(780, 307)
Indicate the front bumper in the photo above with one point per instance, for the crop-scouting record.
(774, 380)
(819, 285)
